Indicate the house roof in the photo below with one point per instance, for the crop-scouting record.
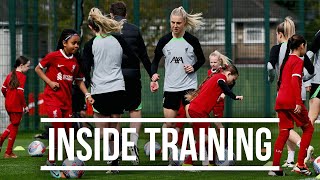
(244, 9)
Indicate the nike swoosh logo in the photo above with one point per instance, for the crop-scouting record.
(60, 65)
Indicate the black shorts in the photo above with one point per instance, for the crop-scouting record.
(172, 100)
(315, 91)
(78, 99)
(132, 93)
(109, 103)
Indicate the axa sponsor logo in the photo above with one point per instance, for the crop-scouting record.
(177, 60)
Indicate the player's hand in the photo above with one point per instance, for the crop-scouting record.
(90, 99)
(54, 85)
(221, 97)
(308, 88)
(297, 110)
(26, 109)
(239, 98)
(155, 77)
(83, 113)
(154, 86)
(188, 68)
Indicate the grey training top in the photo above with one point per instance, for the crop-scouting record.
(107, 75)
(105, 56)
(178, 52)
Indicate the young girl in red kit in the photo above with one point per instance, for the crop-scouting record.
(13, 90)
(207, 96)
(62, 69)
(290, 107)
(217, 61)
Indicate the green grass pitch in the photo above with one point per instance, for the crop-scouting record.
(26, 167)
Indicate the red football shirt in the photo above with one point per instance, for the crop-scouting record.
(209, 71)
(289, 94)
(14, 101)
(63, 70)
(208, 95)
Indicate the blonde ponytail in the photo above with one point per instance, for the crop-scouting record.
(193, 21)
(289, 27)
(102, 24)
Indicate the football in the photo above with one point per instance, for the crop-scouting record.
(178, 162)
(225, 162)
(316, 165)
(147, 148)
(36, 149)
(73, 173)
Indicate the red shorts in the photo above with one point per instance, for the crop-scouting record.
(197, 125)
(56, 112)
(194, 114)
(218, 109)
(288, 117)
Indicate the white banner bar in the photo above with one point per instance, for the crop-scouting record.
(163, 168)
(151, 120)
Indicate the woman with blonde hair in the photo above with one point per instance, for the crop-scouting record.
(183, 57)
(104, 53)
(284, 31)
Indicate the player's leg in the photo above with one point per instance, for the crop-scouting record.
(305, 142)
(285, 125)
(15, 119)
(314, 109)
(54, 112)
(295, 140)
(314, 102)
(169, 113)
(4, 135)
(179, 125)
(137, 125)
(196, 131)
(291, 151)
(115, 109)
(218, 109)
(218, 112)
(171, 104)
(100, 125)
(135, 136)
(302, 120)
(134, 106)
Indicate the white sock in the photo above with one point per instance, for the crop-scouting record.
(134, 138)
(170, 150)
(290, 156)
(298, 143)
(206, 160)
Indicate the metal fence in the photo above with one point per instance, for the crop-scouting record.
(242, 29)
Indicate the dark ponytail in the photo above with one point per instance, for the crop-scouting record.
(14, 82)
(293, 43)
